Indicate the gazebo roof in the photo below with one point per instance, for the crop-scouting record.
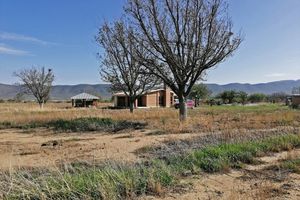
(85, 96)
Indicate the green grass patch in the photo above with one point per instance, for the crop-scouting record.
(292, 165)
(259, 108)
(225, 156)
(121, 181)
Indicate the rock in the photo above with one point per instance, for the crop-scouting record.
(54, 143)
(187, 173)
(51, 143)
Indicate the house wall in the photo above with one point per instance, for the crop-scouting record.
(115, 101)
(121, 101)
(152, 99)
(167, 98)
(142, 101)
(172, 100)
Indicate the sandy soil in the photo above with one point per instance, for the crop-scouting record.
(40, 148)
(253, 182)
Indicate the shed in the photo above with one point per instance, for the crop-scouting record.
(84, 100)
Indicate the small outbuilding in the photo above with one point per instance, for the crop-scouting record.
(84, 100)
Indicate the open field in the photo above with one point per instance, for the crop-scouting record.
(98, 153)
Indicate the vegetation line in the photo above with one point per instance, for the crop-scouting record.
(121, 181)
(79, 125)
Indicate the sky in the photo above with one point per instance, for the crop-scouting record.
(59, 34)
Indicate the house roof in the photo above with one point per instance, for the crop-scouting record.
(84, 96)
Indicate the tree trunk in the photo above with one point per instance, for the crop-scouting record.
(182, 109)
(131, 105)
(41, 105)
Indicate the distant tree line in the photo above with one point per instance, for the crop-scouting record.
(201, 93)
(241, 97)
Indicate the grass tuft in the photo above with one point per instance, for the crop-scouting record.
(291, 165)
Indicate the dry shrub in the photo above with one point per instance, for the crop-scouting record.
(267, 190)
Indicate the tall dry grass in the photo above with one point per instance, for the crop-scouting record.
(203, 119)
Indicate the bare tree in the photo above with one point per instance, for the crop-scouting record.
(120, 66)
(36, 82)
(184, 39)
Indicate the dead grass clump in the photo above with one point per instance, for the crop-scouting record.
(267, 190)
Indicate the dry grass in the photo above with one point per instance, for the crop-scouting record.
(227, 121)
(203, 119)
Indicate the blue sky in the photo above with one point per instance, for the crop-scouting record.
(60, 34)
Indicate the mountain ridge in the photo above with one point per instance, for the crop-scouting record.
(64, 92)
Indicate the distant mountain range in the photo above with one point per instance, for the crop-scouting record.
(64, 92)
(285, 86)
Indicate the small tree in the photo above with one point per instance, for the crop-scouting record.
(227, 96)
(199, 91)
(120, 65)
(257, 97)
(242, 97)
(36, 82)
(183, 39)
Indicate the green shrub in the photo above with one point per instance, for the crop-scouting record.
(83, 124)
(79, 125)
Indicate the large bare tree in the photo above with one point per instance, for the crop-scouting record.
(184, 39)
(119, 65)
(36, 82)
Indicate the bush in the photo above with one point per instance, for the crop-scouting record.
(257, 97)
(79, 125)
(93, 124)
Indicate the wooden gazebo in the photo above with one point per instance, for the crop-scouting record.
(84, 100)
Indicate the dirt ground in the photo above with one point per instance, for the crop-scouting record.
(42, 148)
(253, 182)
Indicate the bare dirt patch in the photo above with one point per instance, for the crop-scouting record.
(43, 148)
